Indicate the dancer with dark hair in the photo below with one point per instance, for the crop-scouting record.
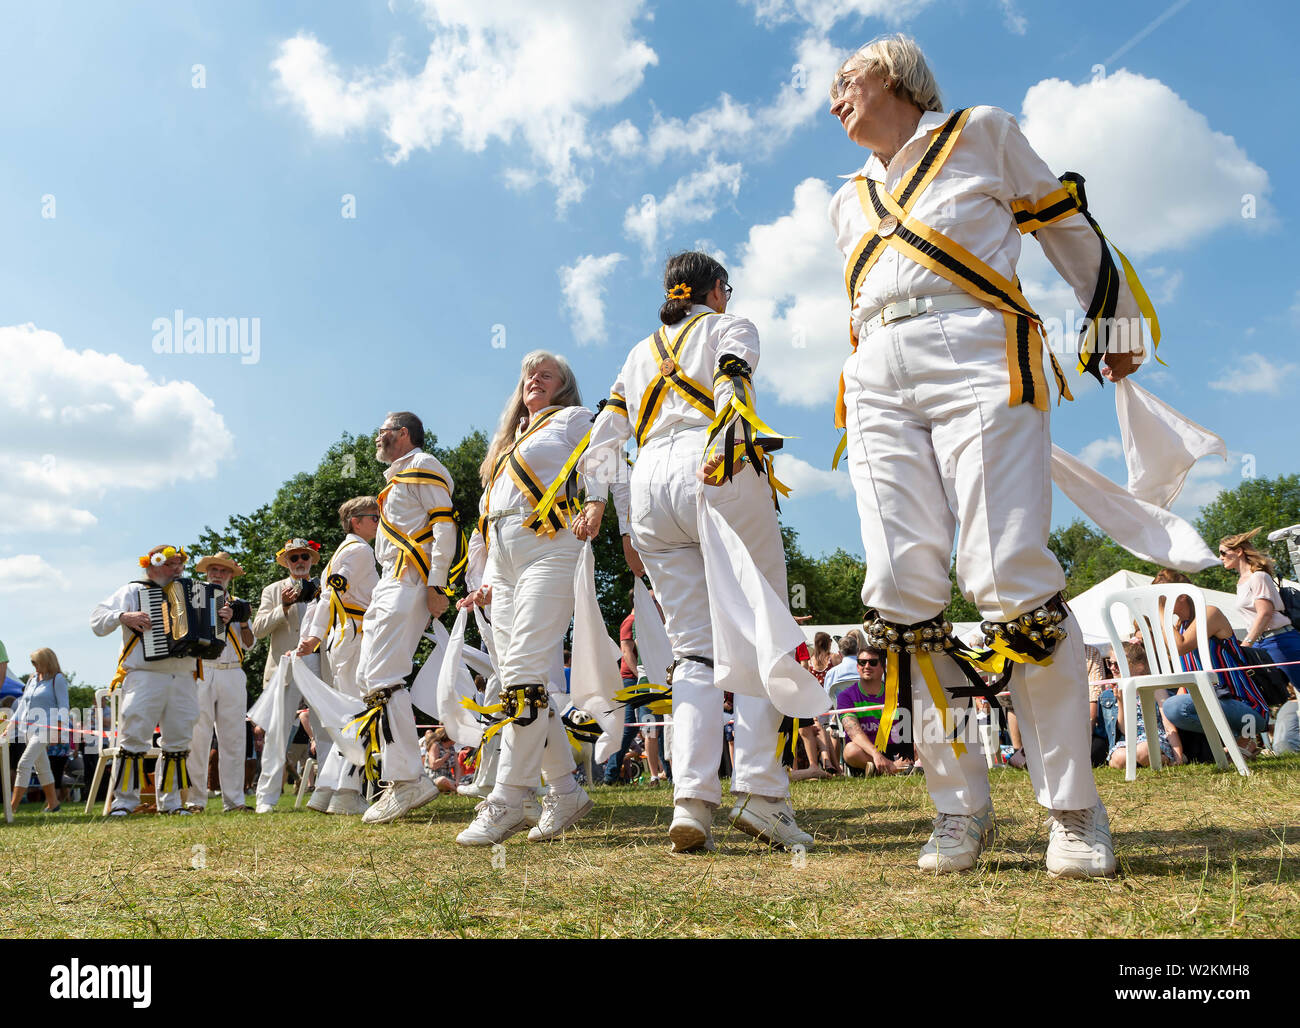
(674, 386)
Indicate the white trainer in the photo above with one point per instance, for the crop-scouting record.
(769, 821)
(265, 808)
(691, 829)
(399, 798)
(495, 822)
(347, 801)
(320, 800)
(956, 842)
(559, 813)
(1079, 844)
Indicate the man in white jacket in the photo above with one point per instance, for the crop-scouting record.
(154, 693)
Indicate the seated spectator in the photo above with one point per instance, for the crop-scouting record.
(440, 760)
(1243, 706)
(1101, 704)
(1171, 746)
(861, 726)
(845, 673)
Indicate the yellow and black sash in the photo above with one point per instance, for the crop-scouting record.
(871, 245)
(341, 612)
(410, 546)
(668, 356)
(512, 463)
(120, 675)
(232, 637)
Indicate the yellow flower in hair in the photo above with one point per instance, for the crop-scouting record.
(169, 552)
(681, 291)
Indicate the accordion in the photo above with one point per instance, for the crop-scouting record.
(183, 620)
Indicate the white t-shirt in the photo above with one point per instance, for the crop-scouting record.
(1260, 586)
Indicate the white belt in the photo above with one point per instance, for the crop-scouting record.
(917, 305)
(224, 665)
(496, 515)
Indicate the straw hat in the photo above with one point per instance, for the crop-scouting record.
(282, 557)
(219, 560)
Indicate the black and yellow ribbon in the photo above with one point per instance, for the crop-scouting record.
(372, 729)
(120, 675)
(656, 699)
(787, 740)
(130, 766)
(1094, 338)
(175, 774)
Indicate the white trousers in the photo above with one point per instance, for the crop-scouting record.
(393, 625)
(222, 696)
(933, 447)
(155, 699)
(343, 661)
(283, 726)
(532, 605)
(664, 506)
(35, 758)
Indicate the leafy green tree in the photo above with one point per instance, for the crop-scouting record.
(1270, 503)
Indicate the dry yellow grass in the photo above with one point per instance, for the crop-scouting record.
(1201, 854)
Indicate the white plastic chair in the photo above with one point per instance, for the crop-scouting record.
(1142, 606)
(308, 771)
(6, 729)
(108, 747)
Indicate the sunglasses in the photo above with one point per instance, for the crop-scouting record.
(869, 662)
(1224, 553)
(375, 516)
(296, 557)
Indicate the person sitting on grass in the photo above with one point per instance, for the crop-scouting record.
(1171, 746)
(861, 726)
(440, 760)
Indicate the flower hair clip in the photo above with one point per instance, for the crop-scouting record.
(681, 291)
(160, 556)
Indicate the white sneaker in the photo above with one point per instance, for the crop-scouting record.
(347, 801)
(1079, 844)
(691, 829)
(495, 822)
(559, 813)
(399, 798)
(265, 808)
(532, 812)
(956, 842)
(769, 821)
(320, 800)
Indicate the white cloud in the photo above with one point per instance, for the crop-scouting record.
(693, 198)
(789, 280)
(728, 126)
(583, 285)
(823, 14)
(1014, 21)
(77, 423)
(1101, 450)
(1204, 482)
(501, 71)
(1134, 138)
(26, 572)
(805, 480)
(1254, 373)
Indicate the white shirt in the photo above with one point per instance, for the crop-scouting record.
(355, 561)
(841, 676)
(544, 451)
(108, 615)
(713, 337)
(407, 507)
(969, 201)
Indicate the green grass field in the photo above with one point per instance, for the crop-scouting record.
(1201, 853)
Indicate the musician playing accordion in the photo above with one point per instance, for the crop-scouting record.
(156, 689)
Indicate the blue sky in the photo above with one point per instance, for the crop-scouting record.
(518, 173)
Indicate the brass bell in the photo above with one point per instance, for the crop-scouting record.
(909, 636)
(891, 634)
(1035, 637)
(911, 649)
(1041, 616)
